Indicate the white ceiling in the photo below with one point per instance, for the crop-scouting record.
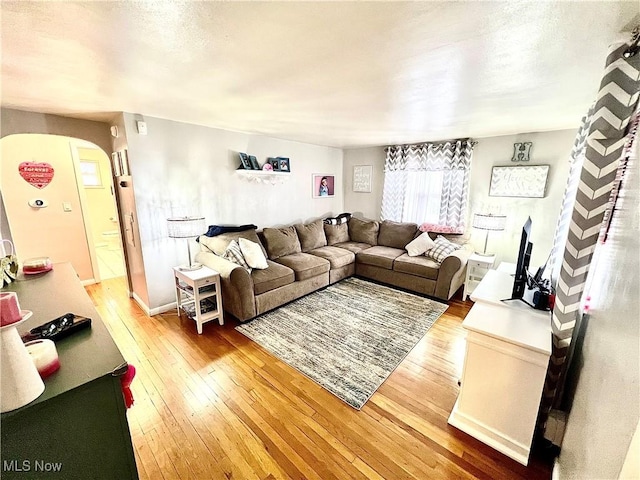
(344, 74)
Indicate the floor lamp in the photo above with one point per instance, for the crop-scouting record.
(186, 227)
(488, 223)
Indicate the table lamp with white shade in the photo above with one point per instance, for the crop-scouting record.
(488, 223)
(186, 227)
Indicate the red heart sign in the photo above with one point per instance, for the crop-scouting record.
(37, 174)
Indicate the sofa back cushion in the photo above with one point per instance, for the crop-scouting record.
(219, 243)
(311, 235)
(281, 241)
(396, 234)
(364, 231)
(336, 233)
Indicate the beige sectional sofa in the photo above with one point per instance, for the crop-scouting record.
(306, 257)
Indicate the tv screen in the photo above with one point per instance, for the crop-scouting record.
(522, 265)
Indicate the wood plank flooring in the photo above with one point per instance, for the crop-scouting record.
(218, 406)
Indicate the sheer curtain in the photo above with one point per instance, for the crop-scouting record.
(428, 183)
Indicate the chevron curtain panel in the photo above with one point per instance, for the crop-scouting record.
(428, 182)
(608, 128)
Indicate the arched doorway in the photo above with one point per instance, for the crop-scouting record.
(77, 220)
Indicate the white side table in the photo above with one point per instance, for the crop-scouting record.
(198, 295)
(477, 268)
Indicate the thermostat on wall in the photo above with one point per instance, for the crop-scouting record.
(38, 203)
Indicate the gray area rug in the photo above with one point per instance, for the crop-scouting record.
(349, 337)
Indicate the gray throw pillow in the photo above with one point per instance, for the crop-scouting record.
(281, 241)
(336, 233)
(364, 231)
(311, 235)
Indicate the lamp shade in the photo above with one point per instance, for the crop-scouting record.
(485, 221)
(185, 227)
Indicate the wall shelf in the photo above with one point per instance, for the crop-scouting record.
(264, 176)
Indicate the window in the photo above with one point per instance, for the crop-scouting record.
(90, 170)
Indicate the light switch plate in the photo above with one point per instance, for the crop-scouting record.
(66, 206)
(142, 127)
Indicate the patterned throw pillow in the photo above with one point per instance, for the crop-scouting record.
(234, 254)
(442, 249)
(339, 220)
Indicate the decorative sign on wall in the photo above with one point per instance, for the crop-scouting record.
(362, 178)
(37, 174)
(521, 181)
(521, 152)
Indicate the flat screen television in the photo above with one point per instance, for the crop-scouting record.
(520, 280)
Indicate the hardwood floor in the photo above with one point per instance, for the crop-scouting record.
(218, 406)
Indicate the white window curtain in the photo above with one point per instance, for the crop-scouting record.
(428, 183)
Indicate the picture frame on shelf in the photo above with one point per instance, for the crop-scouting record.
(275, 163)
(284, 164)
(245, 163)
(254, 162)
(323, 185)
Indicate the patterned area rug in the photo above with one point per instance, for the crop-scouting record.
(349, 337)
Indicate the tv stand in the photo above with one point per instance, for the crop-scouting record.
(505, 365)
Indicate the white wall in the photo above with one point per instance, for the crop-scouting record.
(364, 204)
(551, 148)
(182, 169)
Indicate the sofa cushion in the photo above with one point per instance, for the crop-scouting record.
(338, 257)
(354, 247)
(379, 256)
(304, 265)
(396, 234)
(442, 249)
(273, 277)
(363, 231)
(252, 254)
(281, 241)
(420, 266)
(311, 235)
(419, 245)
(219, 244)
(336, 233)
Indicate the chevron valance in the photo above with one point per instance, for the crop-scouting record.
(452, 155)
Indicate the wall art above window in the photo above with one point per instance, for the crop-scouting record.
(522, 181)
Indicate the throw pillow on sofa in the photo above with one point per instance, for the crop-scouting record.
(420, 245)
(336, 233)
(442, 249)
(219, 243)
(233, 253)
(281, 241)
(311, 235)
(339, 220)
(252, 253)
(396, 234)
(363, 231)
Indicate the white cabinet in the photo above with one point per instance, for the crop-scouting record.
(198, 295)
(505, 365)
(477, 268)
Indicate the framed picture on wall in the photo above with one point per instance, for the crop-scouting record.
(522, 181)
(323, 185)
(362, 178)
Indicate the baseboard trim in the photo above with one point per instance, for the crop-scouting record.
(91, 281)
(162, 309)
(139, 301)
(489, 436)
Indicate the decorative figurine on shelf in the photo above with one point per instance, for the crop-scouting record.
(267, 167)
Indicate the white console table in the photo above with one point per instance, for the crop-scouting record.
(505, 365)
